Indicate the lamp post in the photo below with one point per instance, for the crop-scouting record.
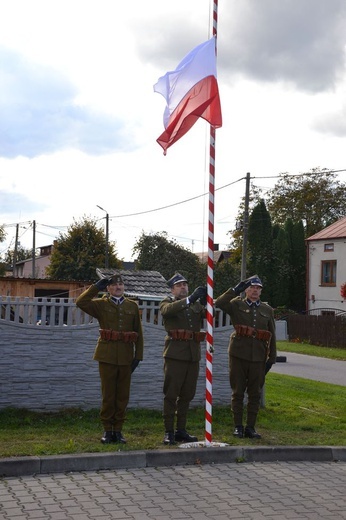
(107, 237)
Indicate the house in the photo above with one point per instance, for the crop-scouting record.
(141, 285)
(326, 269)
(36, 268)
(218, 256)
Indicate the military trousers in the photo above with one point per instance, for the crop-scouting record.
(246, 376)
(115, 387)
(179, 388)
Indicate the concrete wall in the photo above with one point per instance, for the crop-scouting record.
(47, 369)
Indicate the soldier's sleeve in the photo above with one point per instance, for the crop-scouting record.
(168, 307)
(86, 301)
(272, 344)
(223, 302)
(139, 345)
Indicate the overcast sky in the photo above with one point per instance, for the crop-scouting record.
(79, 118)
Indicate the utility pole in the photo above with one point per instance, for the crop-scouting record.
(107, 237)
(33, 247)
(15, 252)
(245, 227)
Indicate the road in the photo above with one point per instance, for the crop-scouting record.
(312, 367)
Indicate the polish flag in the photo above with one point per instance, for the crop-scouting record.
(191, 91)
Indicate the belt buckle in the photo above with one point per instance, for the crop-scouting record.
(254, 334)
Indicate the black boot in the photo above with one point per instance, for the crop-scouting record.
(251, 433)
(239, 431)
(169, 438)
(107, 437)
(183, 436)
(118, 437)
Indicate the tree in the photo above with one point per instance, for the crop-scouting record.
(260, 249)
(2, 264)
(316, 198)
(226, 275)
(281, 269)
(236, 234)
(295, 233)
(22, 254)
(155, 252)
(2, 234)
(78, 253)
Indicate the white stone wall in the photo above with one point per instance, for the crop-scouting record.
(51, 368)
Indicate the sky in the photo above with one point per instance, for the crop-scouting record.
(79, 117)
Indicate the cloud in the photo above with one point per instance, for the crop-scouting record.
(12, 203)
(38, 114)
(302, 43)
(333, 123)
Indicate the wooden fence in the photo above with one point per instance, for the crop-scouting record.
(329, 331)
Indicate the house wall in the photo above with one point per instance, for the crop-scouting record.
(24, 269)
(25, 288)
(325, 297)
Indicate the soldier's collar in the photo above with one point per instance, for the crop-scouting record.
(116, 300)
(252, 304)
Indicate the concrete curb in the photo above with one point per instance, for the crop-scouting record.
(20, 466)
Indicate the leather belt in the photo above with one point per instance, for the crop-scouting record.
(244, 330)
(187, 335)
(116, 335)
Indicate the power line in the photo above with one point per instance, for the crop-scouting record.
(175, 203)
(223, 187)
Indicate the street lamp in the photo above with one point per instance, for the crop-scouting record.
(107, 237)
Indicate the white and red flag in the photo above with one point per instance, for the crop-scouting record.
(191, 91)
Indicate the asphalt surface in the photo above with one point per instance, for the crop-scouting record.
(312, 367)
(193, 483)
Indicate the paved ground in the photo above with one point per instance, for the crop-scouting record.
(275, 483)
(278, 490)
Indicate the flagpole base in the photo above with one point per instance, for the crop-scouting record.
(203, 444)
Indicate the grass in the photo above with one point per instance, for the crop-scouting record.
(312, 350)
(298, 412)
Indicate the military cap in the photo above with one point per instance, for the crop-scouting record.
(176, 278)
(255, 280)
(116, 278)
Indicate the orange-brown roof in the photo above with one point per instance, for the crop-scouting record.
(336, 230)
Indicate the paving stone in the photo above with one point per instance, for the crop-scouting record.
(254, 491)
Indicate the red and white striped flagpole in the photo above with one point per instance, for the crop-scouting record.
(210, 274)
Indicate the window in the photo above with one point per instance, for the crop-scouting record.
(329, 247)
(328, 274)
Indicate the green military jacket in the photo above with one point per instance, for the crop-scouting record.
(259, 317)
(178, 314)
(124, 317)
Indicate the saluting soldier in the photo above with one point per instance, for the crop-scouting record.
(182, 318)
(251, 350)
(119, 349)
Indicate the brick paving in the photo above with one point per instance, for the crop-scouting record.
(250, 491)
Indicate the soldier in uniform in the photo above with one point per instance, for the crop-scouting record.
(182, 319)
(119, 349)
(251, 350)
